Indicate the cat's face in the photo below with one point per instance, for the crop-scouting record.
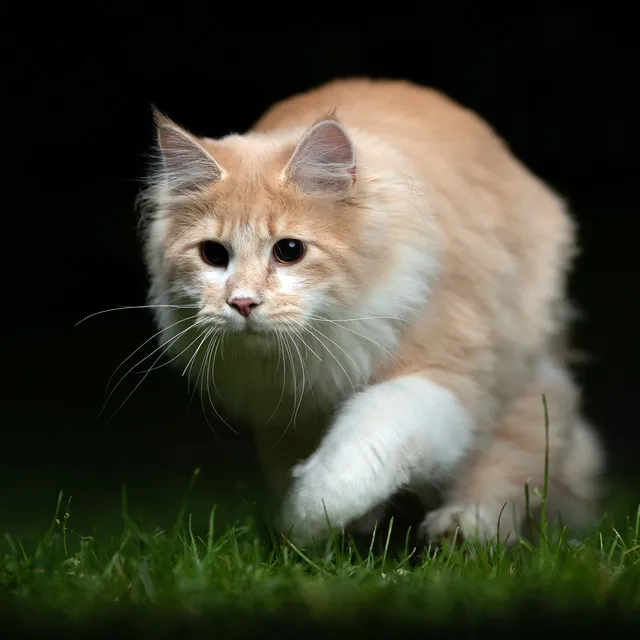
(261, 264)
(259, 238)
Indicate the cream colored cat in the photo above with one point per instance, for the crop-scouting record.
(379, 292)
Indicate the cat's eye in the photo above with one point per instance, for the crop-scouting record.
(288, 251)
(214, 253)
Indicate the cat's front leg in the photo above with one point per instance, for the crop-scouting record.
(393, 434)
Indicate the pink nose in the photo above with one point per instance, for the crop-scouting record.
(244, 306)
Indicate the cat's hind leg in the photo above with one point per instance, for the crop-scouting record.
(575, 490)
(488, 498)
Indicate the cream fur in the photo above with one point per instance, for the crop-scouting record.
(411, 344)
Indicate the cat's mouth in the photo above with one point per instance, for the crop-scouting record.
(255, 325)
(251, 326)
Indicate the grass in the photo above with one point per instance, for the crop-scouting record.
(240, 576)
(243, 578)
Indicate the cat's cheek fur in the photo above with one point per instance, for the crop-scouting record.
(406, 431)
(214, 276)
(289, 283)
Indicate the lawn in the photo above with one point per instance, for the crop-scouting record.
(237, 579)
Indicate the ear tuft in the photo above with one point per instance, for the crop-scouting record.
(186, 165)
(324, 160)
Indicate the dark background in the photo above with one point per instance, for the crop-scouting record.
(560, 88)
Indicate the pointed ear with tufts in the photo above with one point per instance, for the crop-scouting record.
(186, 165)
(324, 161)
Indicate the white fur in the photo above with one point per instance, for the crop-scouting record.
(215, 275)
(392, 435)
(289, 282)
(244, 292)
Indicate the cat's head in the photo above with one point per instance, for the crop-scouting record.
(260, 233)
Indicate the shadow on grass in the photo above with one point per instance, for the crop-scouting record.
(526, 616)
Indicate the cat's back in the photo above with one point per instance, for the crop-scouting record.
(420, 121)
(383, 107)
(453, 150)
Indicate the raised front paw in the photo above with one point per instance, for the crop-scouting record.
(317, 504)
(323, 499)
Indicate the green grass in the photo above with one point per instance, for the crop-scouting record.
(240, 577)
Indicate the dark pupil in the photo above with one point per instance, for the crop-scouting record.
(288, 250)
(214, 254)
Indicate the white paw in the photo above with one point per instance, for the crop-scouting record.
(314, 507)
(472, 522)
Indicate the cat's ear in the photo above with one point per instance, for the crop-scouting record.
(186, 165)
(324, 160)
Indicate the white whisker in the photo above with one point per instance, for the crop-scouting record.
(284, 378)
(292, 325)
(212, 336)
(304, 382)
(133, 353)
(324, 335)
(163, 348)
(313, 397)
(175, 357)
(205, 368)
(285, 343)
(321, 319)
(357, 333)
(170, 342)
(195, 353)
(212, 371)
(332, 355)
(142, 306)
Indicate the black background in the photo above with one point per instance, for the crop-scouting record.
(560, 87)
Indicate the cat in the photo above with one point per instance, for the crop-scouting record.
(374, 284)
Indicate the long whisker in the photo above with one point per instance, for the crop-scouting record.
(294, 372)
(133, 353)
(142, 306)
(206, 379)
(285, 343)
(189, 366)
(321, 319)
(206, 367)
(195, 353)
(212, 370)
(316, 331)
(362, 335)
(332, 354)
(203, 365)
(284, 377)
(154, 367)
(292, 325)
(164, 347)
(304, 381)
(143, 377)
(278, 344)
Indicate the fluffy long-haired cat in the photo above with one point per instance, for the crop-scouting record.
(372, 282)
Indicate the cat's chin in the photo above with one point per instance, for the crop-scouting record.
(255, 341)
(251, 332)
(258, 328)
